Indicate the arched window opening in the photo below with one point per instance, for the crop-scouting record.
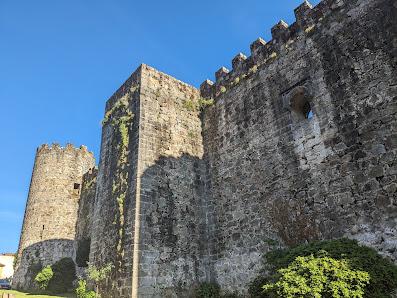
(76, 188)
(300, 104)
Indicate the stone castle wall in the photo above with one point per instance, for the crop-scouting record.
(86, 204)
(301, 144)
(171, 223)
(51, 208)
(53, 201)
(112, 238)
(276, 174)
(161, 210)
(199, 209)
(36, 257)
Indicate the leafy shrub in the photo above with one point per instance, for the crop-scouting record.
(64, 275)
(383, 274)
(83, 251)
(44, 277)
(255, 288)
(318, 277)
(82, 292)
(58, 277)
(208, 290)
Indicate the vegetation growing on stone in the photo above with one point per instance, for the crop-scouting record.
(294, 221)
(91, 183)
(310, 28)
(96, 275)
(198, 105)
(16, 260)
(273, 55)
(203, 103)
(121, 102)
(190, 105)
(191, 134)
(288, 46)
(122, 123)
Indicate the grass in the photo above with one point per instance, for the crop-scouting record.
(18, 294)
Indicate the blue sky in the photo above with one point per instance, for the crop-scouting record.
(61, 60)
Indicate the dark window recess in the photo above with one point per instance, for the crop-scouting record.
(43, 227)
(300, 105)
(307, 110)
(76, 186)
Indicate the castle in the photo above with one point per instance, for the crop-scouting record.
(296, 142)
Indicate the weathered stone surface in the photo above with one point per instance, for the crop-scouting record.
(301, 144)
(52, 206)
(40, 254)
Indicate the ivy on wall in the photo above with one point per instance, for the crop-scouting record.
(120, 117)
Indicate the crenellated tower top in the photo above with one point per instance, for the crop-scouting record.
(307, 18)
(45, 148)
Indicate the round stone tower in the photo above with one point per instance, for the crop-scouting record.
(49, 225)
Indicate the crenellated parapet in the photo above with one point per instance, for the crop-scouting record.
(45, 148)
(307, 18)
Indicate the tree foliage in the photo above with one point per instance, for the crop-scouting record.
(44, 277)
(208, 290)
(318, 277)
(383, 274)
(58, 277)
(82, 291)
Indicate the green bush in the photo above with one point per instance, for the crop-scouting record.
(383, 274)
(208, 290)
(64, 274)
(58, 277)
(83, 251)
(318, 277)
(44, 277)
(82, 292)
(255, 288)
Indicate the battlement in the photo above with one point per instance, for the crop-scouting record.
(45, 148)
(307, 19)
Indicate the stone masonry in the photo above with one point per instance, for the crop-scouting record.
(299, 144)
(52, 207)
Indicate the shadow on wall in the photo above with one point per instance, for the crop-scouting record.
(175, 223)
(37, 256)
